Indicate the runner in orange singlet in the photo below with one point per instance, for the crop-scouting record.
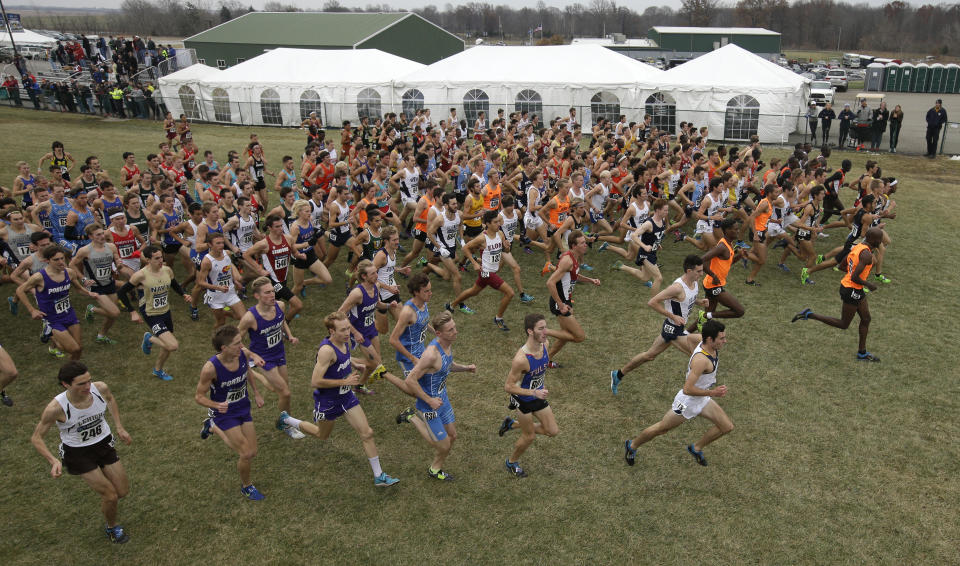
(716, 266)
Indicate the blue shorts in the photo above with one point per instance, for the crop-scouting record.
(228, 420)
(61, 322)
(276, 362)
(595, 216)
(642, 255)
(197, 257)
(329, 409)
(436, 419)
(68, 245)
(405, 364)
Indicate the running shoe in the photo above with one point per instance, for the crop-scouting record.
(146, 345)
(500, 324)
(505, 426)
(697, 455)
(701, 320)
(55, 352)
(377, 373)
(741, 245)
(194, 314)
(603, 246)
(466, 310)
(406, 415)
(836, 268)
(586, 267)
(547, 267)
(553, 365)
(439, 475)
(162, 375)
(281, 421)
(678, 236)
(882, 278)
(615, 266)
(5, 399)
(14, 306)
(615, 382)
(46, 332)
(802, 315)
(421, 261)
(867, 357)
(448, 307)
(525, 298)
(251, 493)
(383, 480)
(105, 340)
(783, 267)
(527, 249)
(303, 292)
(819, 259)
(629, 454)
(823, 235)
(294, 433)
(116, 534)
(804, 276)
(515, 469)
(205, 428)
(364, 390)
(752, 283)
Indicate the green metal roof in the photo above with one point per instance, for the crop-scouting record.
(344, 29)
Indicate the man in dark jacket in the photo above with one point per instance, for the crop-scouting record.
(827, 116)
(936, 118)
(880, 117)
(846, 116)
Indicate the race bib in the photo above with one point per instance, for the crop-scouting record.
(344, 389)
(103, 273)
(801, 233)
(62, 306)
(160, 301)
(536, 383)
(125, 250)
(235, 395)
(23, 251)
(281, 262)
(274, 339)
(368, 320)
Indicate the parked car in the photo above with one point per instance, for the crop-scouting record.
(821, 92)
(838, 78)
(819, 72)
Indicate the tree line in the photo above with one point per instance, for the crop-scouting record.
(804, 24)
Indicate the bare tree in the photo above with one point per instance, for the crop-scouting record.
(698, 12)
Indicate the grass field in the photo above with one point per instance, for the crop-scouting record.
(832, 461)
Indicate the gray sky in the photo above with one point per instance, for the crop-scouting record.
(403, 4)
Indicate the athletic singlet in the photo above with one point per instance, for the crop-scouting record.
(316, 214)
(559, 213)
(852, 259)
(760, 222)
(682, 308)
(509, 225)
(856, 227)
(303, 234)
(266, 338)
(99, 265)
(61, 162)
(533, 378)
(491, 254)
(373, 244)
(111, 207)
(170, 221)
(126, 243)
(385, 274)
(19, 242)
(277, 259)
(565, 285)
(434, 384)
(476, 203)
(720, 267)
(58, 217)
(84, 219)
(413, 335)
(28, 185)
(421, 220)
(230, 385)
(256, 171)
(654, 237)
(156, 292)
(491, 200)
(54, 298)
(83, 427)
(289, 178)
(142, 224)
(599, 200)
(339, 370)
(706, 380)
(362, 316)
(636, 215)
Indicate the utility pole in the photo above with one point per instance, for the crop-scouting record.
(839, 31)
(6, 23)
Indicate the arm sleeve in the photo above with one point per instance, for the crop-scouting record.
(176, 287)
(123, 293)
(70, 233)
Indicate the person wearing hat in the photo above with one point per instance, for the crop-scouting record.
(827, 116)
(845, 117)
(936, 118)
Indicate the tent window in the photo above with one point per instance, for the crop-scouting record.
(475, 102)
(742, 119)
(188, 101)
(221, 106)
(270, 107)
(202, 61)
(663, 108)
(368, 104)
(529, 101)
(310, 102)
(221, 64)
(605, 105)
(411, 101)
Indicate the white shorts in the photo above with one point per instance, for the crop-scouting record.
(532, 222)
(217, 300)
(405, 200)
(790, 219)
(687, 406)
(704, 227)
(132, 262)
(774, 230)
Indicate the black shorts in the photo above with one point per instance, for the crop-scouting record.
(670, 331)
(648, 256)
(171, 249)
(555, 308)
(109, 289)
(158, 323)
(281, 291)
(713, 291)
(419, 235)
(527, 407)
(388, 300)
(83, 459)
(851, 296)
(339, 239)
(761, 237)
(306, 263)
(470, 232)
(803, 234)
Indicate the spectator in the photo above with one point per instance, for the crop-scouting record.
(49, 94)
(936, 118)
(102, 47)
(812, 121)
(87, 95)
(20, 64)
(13, 90)
(116, 101)
(79, 100)
(103, 98)
(846, 116)
(172, 54)
(139, 100)
(896, 119)
(151, 48)
(151, 103)
(880, 117)
(33, 90)
(827, 116)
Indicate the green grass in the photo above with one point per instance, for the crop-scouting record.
(831, 461)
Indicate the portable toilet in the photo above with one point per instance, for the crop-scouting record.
(907, 74)
(891, 73)
(951, 82)
(874, 78)
(937, 77)
(921, 78)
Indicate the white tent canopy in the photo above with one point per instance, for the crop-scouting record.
(546, 80)
(181, 90)
(283, 85)
(737, 94)
(27, 37)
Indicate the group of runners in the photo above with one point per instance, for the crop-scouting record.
(460, 206)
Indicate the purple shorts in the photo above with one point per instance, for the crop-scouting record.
(329, 408)
(276, 362)
(230, 419)
(368, 335)
(62, 321)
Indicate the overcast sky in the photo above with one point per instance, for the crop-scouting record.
(402, 4)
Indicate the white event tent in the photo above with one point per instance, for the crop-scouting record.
(546, 80)
(737, 94)
(283, 85)
(180, 90)
(27, 37)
